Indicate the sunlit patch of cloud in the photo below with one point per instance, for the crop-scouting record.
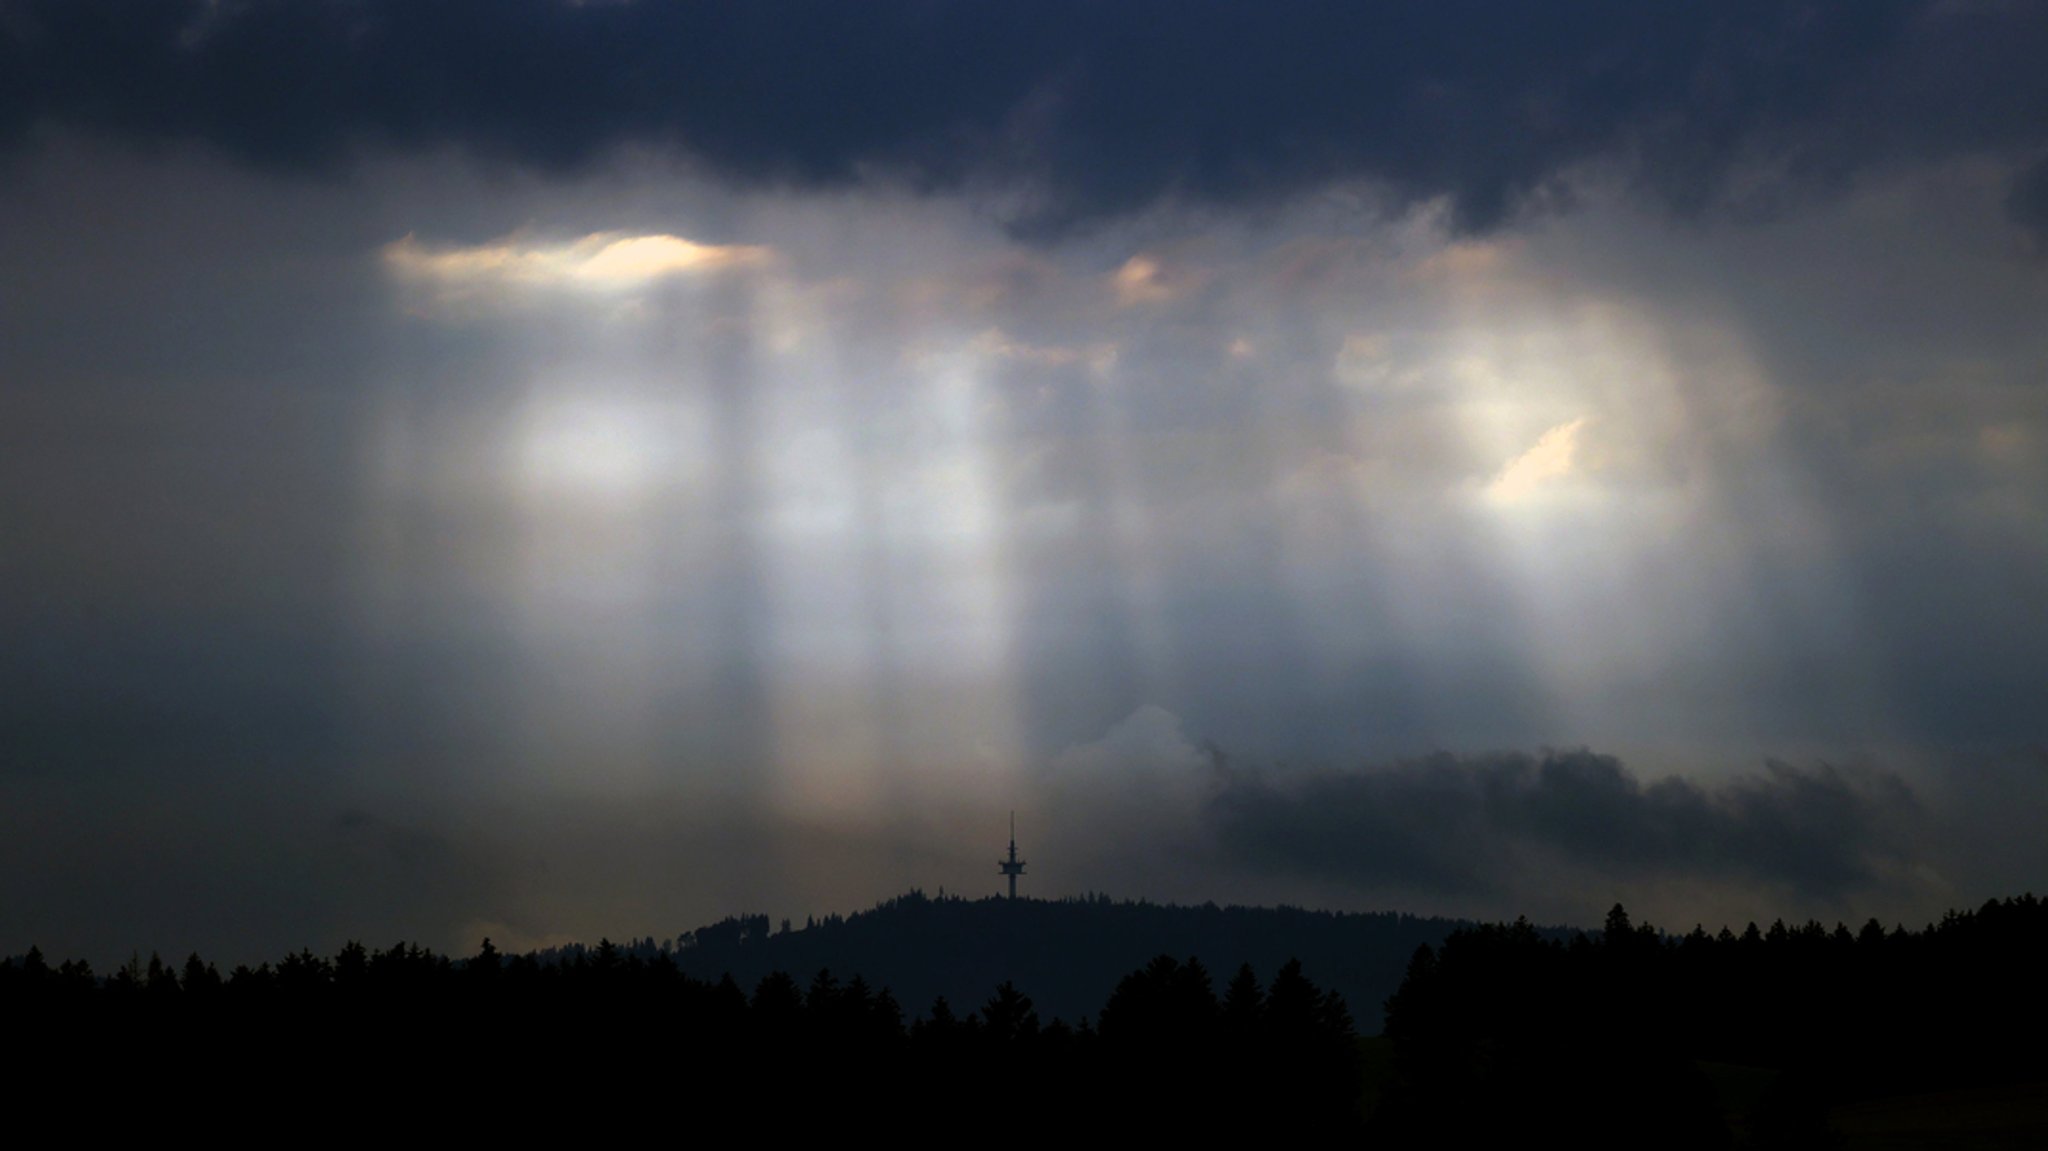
(1553, 457)
(598, 262)
(1142, 280)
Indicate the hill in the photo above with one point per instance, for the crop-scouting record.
(1066, 954)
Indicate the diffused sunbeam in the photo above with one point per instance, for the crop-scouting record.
(1121, 527)
(887, 661)
(1762, 509)
(573, 443)
(576, 562)
(1523, 388)
(1366, 580)
(601, 481)
(832, 695)
(734, 728)
(1606, 498)
(723, 552)
(1397, 593)
(941, 505)
(1303, 566)
(1531, 387)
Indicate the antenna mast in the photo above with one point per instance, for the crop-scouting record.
(1012, 867)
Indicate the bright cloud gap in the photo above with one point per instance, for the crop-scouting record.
(600, 261)
(1554, 457)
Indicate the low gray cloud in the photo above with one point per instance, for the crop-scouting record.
(1469, 824)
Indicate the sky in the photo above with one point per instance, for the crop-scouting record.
(548, 470)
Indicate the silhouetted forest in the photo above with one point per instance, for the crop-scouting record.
(407, 1040)
(1502, 1030)
(1630, 1037)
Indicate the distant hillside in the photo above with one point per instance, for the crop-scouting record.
(1066, 954)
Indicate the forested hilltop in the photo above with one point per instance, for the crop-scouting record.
(1068, 952)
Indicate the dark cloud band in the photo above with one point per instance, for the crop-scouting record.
(1092, 109)
(1464, 824)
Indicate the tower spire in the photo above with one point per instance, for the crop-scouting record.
(1012, 867)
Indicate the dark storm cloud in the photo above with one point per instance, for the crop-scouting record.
(1469, 824)
(1085, 109)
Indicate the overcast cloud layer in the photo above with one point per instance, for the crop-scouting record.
(1094, 109)
(590, 469)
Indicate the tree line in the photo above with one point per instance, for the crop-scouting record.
(1613, 1035)
(381, 1036)
(1629, 1036)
